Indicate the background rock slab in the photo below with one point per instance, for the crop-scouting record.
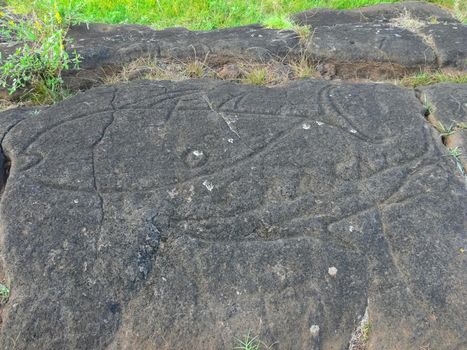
(381, 13)
(185, 215)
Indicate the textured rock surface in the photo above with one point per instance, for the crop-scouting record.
(382, 13)
(371, 43)
(450, 42)
(8, 119)
(113, 45)
(374, 36)
(448, 106)
(167, 215)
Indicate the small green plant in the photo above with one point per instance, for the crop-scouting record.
(248, 343)
(428, 107)
(456, 153)
(40, 57)
(256, 76)
(366, 329)
(4, 294)
(445, 131)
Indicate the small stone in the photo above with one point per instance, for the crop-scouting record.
(332, 271)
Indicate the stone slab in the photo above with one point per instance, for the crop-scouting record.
(450, 43)
(186, 215)
(381, 13)
(370, 43)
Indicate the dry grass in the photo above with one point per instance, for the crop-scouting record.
(247, 72)
(153, 69)
(6, 104)
(303, 32)
(195, 69)
(414, 25)
(408, 22)
(303, 68)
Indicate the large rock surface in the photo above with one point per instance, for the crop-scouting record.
(381, 13)
(160, 215)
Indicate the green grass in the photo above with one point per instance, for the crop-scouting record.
(248, 343)
(195, 14)
(456, 154)
(4, 294)
(429, 78)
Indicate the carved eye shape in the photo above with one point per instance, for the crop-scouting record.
(195, 158)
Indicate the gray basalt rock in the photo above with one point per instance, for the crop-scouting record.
(8, 120)
(186, 215)
(370, 43)
(114, 45)
(382, 13)
(447, 105)
(449, 42)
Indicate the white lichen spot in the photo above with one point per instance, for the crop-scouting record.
(351, 228)
(190, 196)
(353, 131)
(306, 126)
(319, 123)
(197, 153)
(208, 185)
(332, 271)
(230, 140)
(172, 193)
(314, 330)
(76, 201)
